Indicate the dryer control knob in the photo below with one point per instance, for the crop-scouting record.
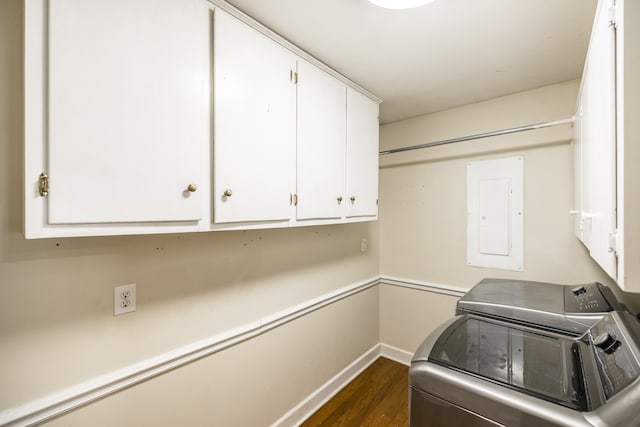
(606, 342)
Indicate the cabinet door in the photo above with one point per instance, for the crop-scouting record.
(576, 145)
(598, 144)
(321, 144)
(254, 125)
(127, 110)
(362, 155)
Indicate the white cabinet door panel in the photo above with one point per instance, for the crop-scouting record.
(127, 109)
(321, 144)
(597, 140)
(254, 126)
(362, 155)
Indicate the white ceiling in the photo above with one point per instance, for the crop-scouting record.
(442, 55)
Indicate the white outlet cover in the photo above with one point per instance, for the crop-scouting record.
(124, 299)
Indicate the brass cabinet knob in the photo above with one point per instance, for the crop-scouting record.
(228, 192)
(192, 188)
(353, 199)
(339, 199)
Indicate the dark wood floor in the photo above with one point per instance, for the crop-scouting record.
(376, 397)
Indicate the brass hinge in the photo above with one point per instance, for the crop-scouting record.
(613, 14)
(613, 242)
(43, 184)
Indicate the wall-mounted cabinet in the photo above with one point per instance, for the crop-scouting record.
(120, 136)
(595, 145)
(293, 145)
(116, 116)
(605, 156)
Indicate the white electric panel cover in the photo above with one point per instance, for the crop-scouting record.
(495, 221)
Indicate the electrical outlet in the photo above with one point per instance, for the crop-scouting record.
(363, 245)
(124, 299)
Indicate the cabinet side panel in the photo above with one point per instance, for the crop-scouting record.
(34, 116)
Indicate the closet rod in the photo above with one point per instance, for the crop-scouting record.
(479, 136)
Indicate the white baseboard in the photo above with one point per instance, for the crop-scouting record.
(322, 395)
(396, 354)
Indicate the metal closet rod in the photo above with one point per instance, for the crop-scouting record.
(479, 136)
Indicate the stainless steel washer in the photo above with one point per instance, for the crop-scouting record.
(562, 308)
(477, 371)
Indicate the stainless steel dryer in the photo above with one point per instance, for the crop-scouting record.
(477, 371)
(562, 308)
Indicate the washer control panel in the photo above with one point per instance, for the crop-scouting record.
(585, 299)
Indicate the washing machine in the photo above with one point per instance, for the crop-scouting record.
(568, 309)
(480, 371)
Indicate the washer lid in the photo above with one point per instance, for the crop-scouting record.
(562, 308)
(534, 296)
(543, 365)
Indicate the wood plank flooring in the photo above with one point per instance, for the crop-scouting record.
(376, 397)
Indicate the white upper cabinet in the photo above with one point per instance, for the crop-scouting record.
(321, 144)
(362, 155)
(116, 115)
(162, 116)
(595, 145)
(254, 124)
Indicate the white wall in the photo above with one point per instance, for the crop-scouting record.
(56, 295)
(423, 204)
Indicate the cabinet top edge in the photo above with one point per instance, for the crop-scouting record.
(256, 25)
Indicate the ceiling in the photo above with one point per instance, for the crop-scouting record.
(441, 55)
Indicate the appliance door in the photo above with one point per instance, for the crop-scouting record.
(542, 365)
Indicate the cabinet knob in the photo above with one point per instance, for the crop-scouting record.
(192, 188)
(339, 199)
(228, 192)
(353, 199)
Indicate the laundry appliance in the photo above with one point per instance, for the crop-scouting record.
(477, 371)
(568, 309)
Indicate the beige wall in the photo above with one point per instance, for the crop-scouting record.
(423, 203)
(56, 300)
(249, 385)
(407, 315)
